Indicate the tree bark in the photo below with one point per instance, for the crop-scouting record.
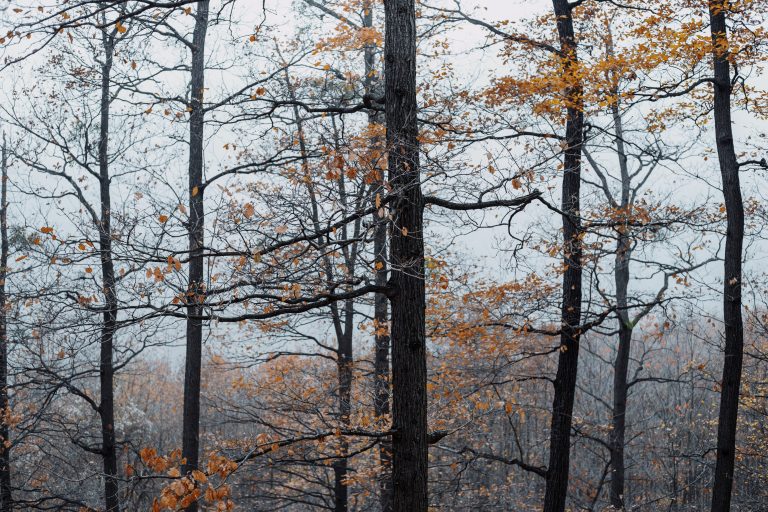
(196, 291)
(621, 280)
(567, 365)
(6, 497)
(734, 335)
(109, 325)
(380, 301)
(409, 369)
(344, 369)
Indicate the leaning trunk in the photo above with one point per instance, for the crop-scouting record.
(409, 368)
(196, 292)
(109, 325)
(567, 365)
(734, 335)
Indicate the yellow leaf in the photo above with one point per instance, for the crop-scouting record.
(162, 219)
(248, 210)
(174, 472)
(120, 27)
(195, 191)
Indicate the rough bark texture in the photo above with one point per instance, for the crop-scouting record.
(734, 335)
(409, 369)
(567, 365)
(196, 292)
(109, 325)
(6, 497)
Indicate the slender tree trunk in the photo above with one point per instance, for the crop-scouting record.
(734, 335)
(620, 389)
(196, 293)
(567, 365)
(109, 325)
(409, 368)
(344, 369)
(6, 498)
(381, 361)
(380, 301)
(343, 328)
(621, 279)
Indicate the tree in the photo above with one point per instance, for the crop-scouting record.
(6, 497)
(568, 359)
(408, 302)
(195, 297)
(732, 277)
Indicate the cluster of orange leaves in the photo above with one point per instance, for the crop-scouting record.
(187, 489)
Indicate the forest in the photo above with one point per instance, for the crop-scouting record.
(383, 255)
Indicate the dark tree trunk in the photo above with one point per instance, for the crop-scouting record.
(380, 301)
(344, 369)
(618, 421)
(109, 325)
(409, 368)
(196, 292)
(734, 335)
(6, 498)
(567, 365)
(381, 362)
(621, 279)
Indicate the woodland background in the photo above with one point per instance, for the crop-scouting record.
(383, 255)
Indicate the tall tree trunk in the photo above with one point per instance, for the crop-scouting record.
(343, 327)
(196, 293)
(734, 335)
(6, 498)
(344, 369)
(620, 369)
(380, 301)
(409, 368)
(621, 280)
(109, 325)
(567, 365)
